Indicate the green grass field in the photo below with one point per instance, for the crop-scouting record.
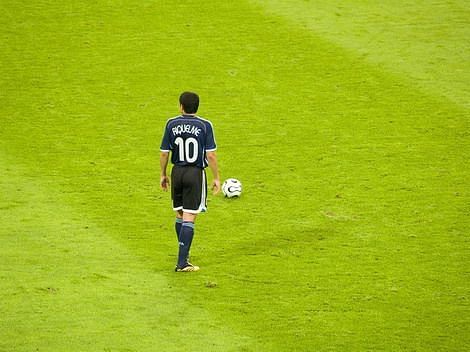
(347, 122)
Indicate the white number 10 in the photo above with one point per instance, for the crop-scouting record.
(184, 149)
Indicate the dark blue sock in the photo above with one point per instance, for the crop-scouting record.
(185, 240)
(178, 224)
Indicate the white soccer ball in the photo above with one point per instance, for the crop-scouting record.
(232, 188)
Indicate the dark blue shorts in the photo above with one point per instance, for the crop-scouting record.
(189, 189)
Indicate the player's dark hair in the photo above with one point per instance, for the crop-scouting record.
(190, 102)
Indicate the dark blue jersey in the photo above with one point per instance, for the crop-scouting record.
(189, 138)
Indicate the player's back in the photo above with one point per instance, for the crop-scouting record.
(188, 137)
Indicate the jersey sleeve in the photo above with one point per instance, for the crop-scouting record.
(166, 145)
(210, 139)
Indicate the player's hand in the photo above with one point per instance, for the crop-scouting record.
(216, 186)
(164, 182)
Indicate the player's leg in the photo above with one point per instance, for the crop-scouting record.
(178, 223)
(189, 217)
(194, 201)
(177, 174)
(185, 240)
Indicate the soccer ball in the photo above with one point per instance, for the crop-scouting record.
(232, 188)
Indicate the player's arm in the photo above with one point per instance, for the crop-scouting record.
(164, 180)
(212, 159)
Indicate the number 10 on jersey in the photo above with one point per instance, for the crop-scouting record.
(185, 152)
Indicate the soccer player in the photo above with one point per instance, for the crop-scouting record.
(192, 144)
